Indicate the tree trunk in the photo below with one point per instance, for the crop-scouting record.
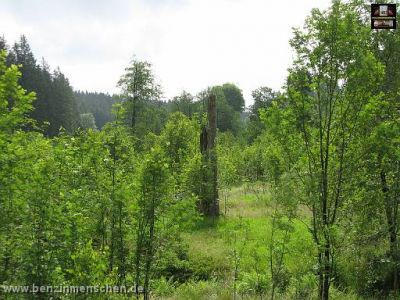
(209, 193)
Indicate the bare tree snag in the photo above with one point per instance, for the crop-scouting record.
(209, 195)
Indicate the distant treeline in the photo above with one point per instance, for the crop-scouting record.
(97, 104)
(57, 105)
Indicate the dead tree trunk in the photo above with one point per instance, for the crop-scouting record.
(209, 195)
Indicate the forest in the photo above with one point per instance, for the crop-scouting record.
(198, 196)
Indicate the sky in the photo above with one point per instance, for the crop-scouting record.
(191, 44)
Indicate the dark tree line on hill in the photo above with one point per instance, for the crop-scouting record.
(55, 104)
(58, 105)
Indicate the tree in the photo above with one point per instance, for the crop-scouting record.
(327, 88)
(139, 87)
(98, 104)
(155, 193)
(262, 97)
(209, 199)
(54, 103)
(377, 176)
(64, 101)
(228, 119)
(3, 44)
(87, 121)
(233, 96)
(179, 141)
(183, 103)
(21, 54)
(15, 105)
(384, 136)
(229, 164)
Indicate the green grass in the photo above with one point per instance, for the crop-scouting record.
(246, 228)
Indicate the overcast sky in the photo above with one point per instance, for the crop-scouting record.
(192, 44)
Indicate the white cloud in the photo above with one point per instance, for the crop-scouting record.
(192, 44)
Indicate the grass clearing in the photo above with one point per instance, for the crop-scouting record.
(245, 230)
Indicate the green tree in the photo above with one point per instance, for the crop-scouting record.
(229, 154)
(179, 140)
(376, 180)
(262, 97)
(98, 104)
(327, 88)
(87, 121)
(64, 100)
(55, 102)
(183, 103)
(141, 94)
(15, 105)
(155, 192)
(228, 118)
(233, 96)
(384, 141)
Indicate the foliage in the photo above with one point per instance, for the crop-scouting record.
(141, 99)
(228, 118)
(55, 104)
(233, 96)
(98, 104)
(262, 97)
(87, 121)
(98, 190)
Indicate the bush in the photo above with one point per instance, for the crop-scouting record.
(303, 287)
(253, 283)
(163, 287)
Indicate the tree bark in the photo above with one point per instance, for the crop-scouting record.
(209, 197)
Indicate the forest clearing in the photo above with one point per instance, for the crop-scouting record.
(137, 195)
